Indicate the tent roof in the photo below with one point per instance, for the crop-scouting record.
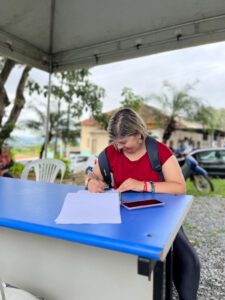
(55, 35)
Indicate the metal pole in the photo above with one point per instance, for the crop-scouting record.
(51, 31)
(48, 115)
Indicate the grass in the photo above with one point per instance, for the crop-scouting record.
(219, 188)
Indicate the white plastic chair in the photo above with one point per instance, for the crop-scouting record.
(45, 169)
(8, 292)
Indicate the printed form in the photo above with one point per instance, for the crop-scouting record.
(84, 207)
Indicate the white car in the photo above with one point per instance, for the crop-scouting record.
(80, 163)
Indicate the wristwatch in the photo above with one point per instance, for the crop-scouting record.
(152, 186)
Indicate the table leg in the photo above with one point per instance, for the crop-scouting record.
(158, 281)
(169, 275)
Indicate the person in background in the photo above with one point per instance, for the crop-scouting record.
(131, 170)
(5, 162)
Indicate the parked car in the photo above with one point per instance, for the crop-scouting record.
(80, 163)
(212, 160)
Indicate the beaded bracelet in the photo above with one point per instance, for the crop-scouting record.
(145, 186)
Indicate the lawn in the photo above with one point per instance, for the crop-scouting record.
(219, 188)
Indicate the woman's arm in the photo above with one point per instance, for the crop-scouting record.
(94, 180)
(174, 180)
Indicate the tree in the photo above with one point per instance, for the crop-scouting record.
(38, 123)
(73, 94)
(8, 121)
(211, 119)
(176, 103)
(206, 115)
(130, 100)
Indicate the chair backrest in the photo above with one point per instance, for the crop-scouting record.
(45, 169)
(9, 292)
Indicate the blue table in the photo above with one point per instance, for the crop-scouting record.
(30, 208)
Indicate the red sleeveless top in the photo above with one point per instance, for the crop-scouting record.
(123, 168)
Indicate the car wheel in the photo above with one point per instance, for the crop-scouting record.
(203, 184)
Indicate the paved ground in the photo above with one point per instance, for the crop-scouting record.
(205, 227)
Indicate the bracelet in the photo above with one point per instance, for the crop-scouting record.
(145, 186)
(152, 186)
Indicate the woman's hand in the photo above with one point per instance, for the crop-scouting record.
(96, 185)
(131, 185)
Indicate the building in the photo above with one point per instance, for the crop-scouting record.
(94, 138)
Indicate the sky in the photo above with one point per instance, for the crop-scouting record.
(204, 64)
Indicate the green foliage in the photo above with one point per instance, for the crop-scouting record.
(67, 163)
(72, 94)
(131, 100)
(33, 86)
(74, 88)
(103, 120)
(176, 103)
(16, 169)
(34, 150)
(206, 115)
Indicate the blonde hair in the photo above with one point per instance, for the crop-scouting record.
(126, 122)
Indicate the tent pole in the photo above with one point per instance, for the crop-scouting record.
(50, 76)
(48, 115)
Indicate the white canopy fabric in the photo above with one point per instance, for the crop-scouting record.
(56, 35)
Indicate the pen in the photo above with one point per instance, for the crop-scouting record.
(90, 170)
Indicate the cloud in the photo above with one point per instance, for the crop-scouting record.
(145, 75)
(205, 64)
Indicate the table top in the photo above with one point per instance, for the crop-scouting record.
(33, 206)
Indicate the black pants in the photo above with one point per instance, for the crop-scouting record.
(186, 267)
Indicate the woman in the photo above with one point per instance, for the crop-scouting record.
(5, 162)
(131, 170)
(129, 160)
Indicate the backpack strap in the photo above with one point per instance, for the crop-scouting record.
(104, 168)
(153, 154)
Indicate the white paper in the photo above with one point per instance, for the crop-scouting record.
(84, 207)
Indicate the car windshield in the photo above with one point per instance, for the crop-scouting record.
(207, 156)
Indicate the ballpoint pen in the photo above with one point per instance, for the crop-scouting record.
(90, 170)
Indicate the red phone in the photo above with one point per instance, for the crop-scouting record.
(142, 204)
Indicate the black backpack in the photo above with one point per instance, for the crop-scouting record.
(152, 150)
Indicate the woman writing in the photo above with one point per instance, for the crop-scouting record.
(131, 169)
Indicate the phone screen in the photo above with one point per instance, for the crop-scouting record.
(142, 204)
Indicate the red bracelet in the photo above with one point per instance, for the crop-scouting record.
(145, 186)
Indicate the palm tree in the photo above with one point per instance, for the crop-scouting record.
(176, 103)
(57, 124)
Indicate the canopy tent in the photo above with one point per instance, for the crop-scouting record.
(59, 35)
(55, 35)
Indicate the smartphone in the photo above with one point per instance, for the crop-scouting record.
(142, 204)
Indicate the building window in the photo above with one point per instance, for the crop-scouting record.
(205, 136)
